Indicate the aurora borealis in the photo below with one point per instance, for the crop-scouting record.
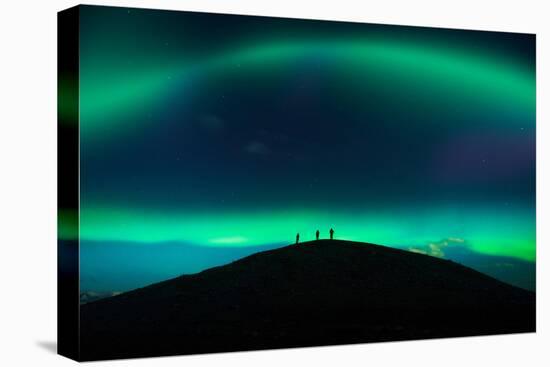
(205, 137)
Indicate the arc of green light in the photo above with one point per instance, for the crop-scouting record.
(101, 98)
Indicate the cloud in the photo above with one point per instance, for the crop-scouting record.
(437, 249)
(510, 270)
(257, 147)
(90, 296)
(228, 240)
(211, 123)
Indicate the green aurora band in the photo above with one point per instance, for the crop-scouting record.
(118, 92)
(485, 230)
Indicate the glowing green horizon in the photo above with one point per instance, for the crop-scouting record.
(485, 230)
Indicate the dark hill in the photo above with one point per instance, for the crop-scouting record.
(318, 293)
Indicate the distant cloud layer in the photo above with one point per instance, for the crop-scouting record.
(437, 248)
(90, 296)
(257, 147)
(510, 270)
(211, 123)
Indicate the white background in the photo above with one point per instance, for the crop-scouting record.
(28, 183)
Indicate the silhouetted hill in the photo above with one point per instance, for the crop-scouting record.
(318, 293)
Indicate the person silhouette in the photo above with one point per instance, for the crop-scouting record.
(331, 233)
(297, 238)
(317, 235)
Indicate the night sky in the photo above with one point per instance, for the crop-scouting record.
(207, 137)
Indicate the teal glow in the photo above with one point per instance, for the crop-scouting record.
(486, 230)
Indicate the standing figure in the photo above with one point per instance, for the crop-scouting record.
(297, 238)
(331, 233)
(317, 235)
